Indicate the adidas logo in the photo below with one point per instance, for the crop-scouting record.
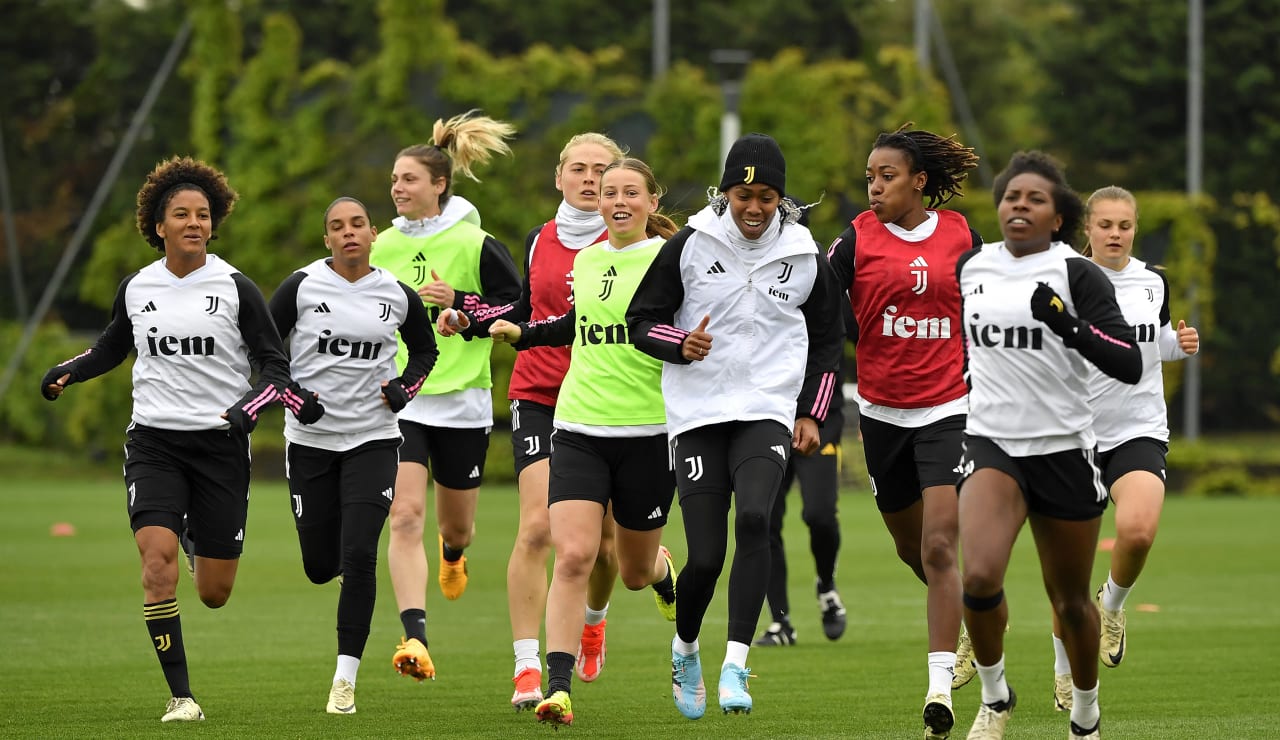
(475, 472)
(919, 262)
(388, 494)
(322, 308)
(240, 536)
(716, 269)
(151, 306)
(611, 272)
(782, 451)
(656, 514)
(419, 258)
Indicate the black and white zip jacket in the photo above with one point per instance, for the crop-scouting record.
(776, 326)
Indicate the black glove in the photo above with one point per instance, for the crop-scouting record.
(241, 420)
(396, 394)
(1047, 306)
(51, 378)
(244, 415)
(304, 404)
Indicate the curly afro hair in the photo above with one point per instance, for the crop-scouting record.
(171, 177)
(1065, 200)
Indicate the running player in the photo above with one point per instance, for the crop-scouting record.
(897, 261)
(436, 246)
(198, 326)
(341, 317)
(744, 274)
(1036, 315)
(1131, 422)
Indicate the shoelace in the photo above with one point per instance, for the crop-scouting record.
(683, 664)
(1113, 628)
(742, 674)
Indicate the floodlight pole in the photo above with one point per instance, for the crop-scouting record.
(731, 67)
(661, 37)
(1195, 174)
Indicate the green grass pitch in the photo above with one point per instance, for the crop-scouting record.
(76, 660)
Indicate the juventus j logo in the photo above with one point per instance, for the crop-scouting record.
(385, 312)
(163, 642)
(1151, 295)
(921, 273)
(419, 275)
(297, 506)
(695, 467)
(750, 175)
(211, 305)
(607, 280)
(785, 275)
(533, 445)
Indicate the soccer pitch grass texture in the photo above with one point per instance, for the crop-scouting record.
(76, 659)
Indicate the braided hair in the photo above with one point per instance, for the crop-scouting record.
(945, 161)
(173, 176)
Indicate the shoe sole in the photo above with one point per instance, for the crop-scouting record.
(938, 721)
(410, 669)
(529, 703)
(735, 710)
(556, 718)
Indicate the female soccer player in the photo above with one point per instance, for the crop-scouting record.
(897, 261)
(539, 372)
(437, 247)
(341, 317)
(1036, 315)
(610, 439)
(198, 326)
(745, 274)
(1131, 422)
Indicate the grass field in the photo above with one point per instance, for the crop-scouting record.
(76, 660)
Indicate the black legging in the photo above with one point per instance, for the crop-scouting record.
(819, 477)
(754, 483)
(347, 546)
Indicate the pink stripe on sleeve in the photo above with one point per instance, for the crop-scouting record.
(668, 333)
(822, 404)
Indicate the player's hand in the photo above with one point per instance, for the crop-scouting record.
(1047, 306)
(241, 420)
(805, 438)
(1188, 338)
(697, 343)
(395, 395)
(452, 321)
(437, 292)
(54, 383)
(505, 331)
(304, 404)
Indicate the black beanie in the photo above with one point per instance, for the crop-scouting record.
(755, 158)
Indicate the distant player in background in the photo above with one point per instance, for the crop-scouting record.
(748, 278)
(1037, 315)
(436, 246)
(897, 261)
(199, 326)
(1131, 421)
(341, 317)
(550, 249)
(610, 426)
(819, 476)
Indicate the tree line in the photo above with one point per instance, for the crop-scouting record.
(301, 102)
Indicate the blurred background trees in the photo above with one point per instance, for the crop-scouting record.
(302, 102)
